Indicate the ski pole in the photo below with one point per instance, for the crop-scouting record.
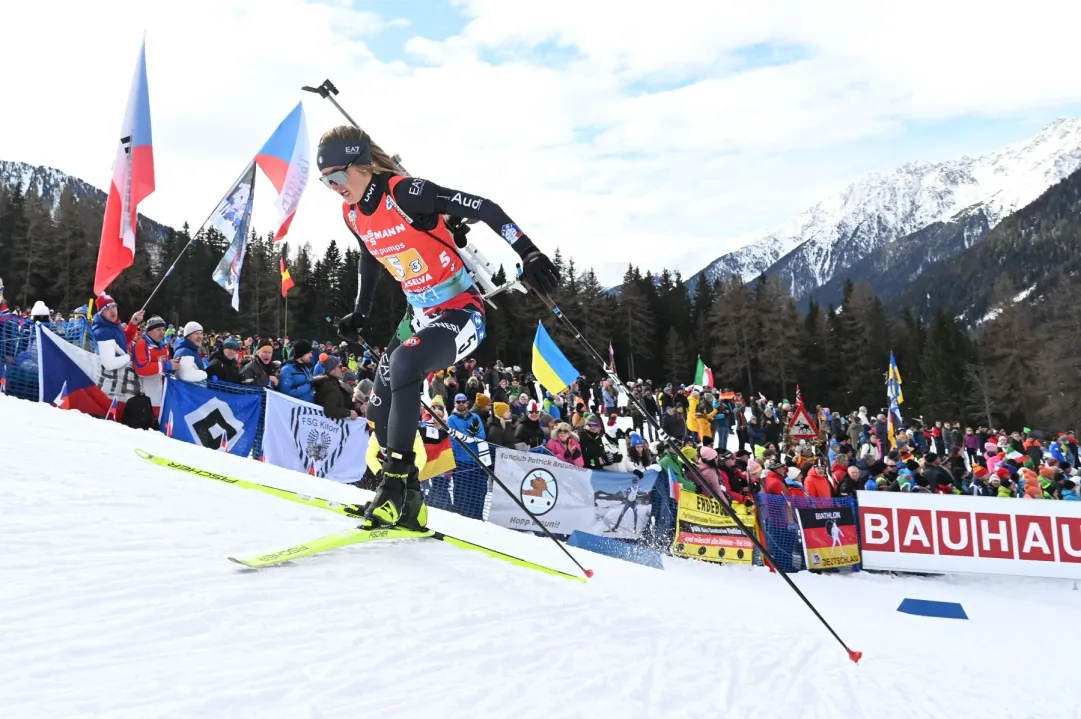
(855, 656)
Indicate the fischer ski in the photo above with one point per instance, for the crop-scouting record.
(327, 543)
(339, 508)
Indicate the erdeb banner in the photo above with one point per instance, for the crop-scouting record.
(300, 436)
(980, 535)
(704, 531)
(198, 415)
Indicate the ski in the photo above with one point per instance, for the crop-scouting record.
(339, 508)
(327, 543)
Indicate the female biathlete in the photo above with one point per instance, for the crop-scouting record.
(399, 221)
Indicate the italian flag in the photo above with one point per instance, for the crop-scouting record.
(703, 375)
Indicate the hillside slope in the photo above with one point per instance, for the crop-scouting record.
(117, 601)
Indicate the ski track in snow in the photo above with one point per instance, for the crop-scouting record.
(117, 601)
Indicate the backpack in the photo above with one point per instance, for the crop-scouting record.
(139, 413)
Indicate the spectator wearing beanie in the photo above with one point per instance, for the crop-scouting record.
(223, 365)
(190, 364)
(296, 374)
(482, 407)
(150, 360)
(259, 372)
(331, 393)
(501, 425)
(112, 337)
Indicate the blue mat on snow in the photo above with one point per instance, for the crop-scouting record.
(929, 608)
(615, 548)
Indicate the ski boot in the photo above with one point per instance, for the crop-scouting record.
(398, 500)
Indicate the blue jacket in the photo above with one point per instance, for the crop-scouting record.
(469, 425)
(102, 329)
(1069, 495)
(296, 381)
(185, 348)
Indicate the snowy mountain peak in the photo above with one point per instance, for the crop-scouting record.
(47, 182)
(881, 207)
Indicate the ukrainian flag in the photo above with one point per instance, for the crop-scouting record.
(550, 367)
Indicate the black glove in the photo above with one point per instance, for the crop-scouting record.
(537, 270)
(349, 327)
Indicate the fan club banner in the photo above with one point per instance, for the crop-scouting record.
(198, 415)
(558, 494)
(300, 436)
(704, 531)
(829, 537)
(567, 498)
(63, 367)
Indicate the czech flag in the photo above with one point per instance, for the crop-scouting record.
(69, 374)
(63, 400)
(284, 159)
(3, 377)
(550, 366)
(111, 414)
(133, 181)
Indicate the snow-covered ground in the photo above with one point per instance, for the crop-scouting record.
(116, 600)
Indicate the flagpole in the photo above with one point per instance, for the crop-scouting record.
(193, 237)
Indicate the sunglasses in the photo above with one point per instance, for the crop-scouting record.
(338, 177)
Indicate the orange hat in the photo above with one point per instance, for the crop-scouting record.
(482, 401)
(500, 408)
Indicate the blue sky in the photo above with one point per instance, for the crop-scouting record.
(660, 138)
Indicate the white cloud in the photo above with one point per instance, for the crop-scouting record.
(582, 153)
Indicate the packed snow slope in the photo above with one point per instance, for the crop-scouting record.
(116, 600)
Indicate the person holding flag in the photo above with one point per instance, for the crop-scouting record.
(399, 222)
(112, 337)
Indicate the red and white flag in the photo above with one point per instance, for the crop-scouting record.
(133, 181)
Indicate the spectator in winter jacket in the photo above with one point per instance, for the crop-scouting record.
(296, 374)
(150, 360)
(529, 432)
(672, 423)
(817, 485)
(112, 337)
(709, 468)
(595, 449)
(223, 365)
(331, 394)
(469, 425)
(501, 425)
(940, 481)
(260, 371)
(565, 446)
(189, 363)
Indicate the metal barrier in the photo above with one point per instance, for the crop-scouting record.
(18, 350)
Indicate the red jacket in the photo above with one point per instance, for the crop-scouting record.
(774, 483)
(146, 358)
(817, 485)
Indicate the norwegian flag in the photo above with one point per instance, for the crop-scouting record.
(133, 181)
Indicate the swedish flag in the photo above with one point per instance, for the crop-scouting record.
(550, 367)
(893, 382)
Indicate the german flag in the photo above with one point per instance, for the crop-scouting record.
(439, 457)
(287, 279)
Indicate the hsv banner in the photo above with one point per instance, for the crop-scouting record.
(981, 535)
(704, 531)
(829, 537)
(198, 415)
